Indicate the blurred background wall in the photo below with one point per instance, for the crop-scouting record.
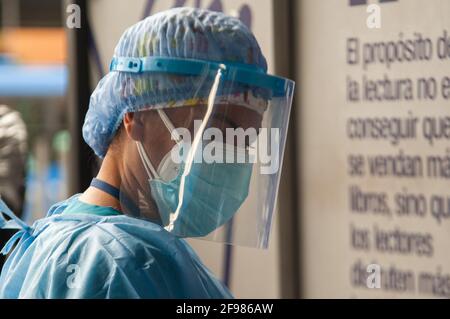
(33, 81)
(33, 84)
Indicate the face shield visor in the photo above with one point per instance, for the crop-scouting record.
(205, 163)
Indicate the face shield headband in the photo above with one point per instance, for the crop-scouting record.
(245, 74)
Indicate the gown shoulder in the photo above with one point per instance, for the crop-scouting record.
(87, 256)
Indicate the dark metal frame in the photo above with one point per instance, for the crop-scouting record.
(83, 162)
(288, 201)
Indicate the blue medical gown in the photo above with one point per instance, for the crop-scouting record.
(89, 254)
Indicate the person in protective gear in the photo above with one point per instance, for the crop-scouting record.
(177, 122)
(13, 148)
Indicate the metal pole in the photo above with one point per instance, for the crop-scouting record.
(288, 208)
(82, 160)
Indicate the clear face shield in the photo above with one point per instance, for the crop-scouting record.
(207, 166)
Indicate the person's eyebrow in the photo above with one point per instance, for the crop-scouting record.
(225, 118)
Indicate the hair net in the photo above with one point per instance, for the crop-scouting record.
(177, 33)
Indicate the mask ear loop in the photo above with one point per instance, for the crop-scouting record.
(151, 172)
(149, 168)
(168, 123)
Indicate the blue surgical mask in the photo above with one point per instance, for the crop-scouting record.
(194, 203)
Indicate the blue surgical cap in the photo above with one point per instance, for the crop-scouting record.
(177, 33)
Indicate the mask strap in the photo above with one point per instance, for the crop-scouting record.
(151, 172)
(168, 123)
(149, 168)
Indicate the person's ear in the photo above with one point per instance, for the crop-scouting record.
(133, 126)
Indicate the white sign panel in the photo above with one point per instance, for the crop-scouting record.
(375, 131)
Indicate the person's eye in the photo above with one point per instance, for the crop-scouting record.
(223, 122)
